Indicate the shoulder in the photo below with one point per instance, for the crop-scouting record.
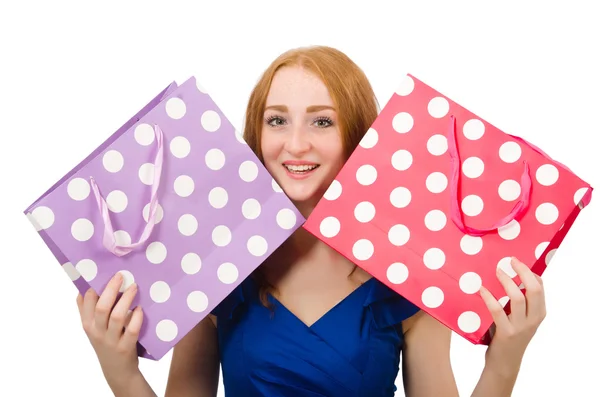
(234, 301)
(388, 307)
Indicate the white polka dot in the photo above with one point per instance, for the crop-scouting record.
(434, 258)
(82, 229)
(166, 330)
(239, 137)
(435, 220)
(510, 231)
(191, 263)
(257, 245)
(510, 152)
(471, 245)
(175, 108)
(221, 236)
(144, 134)
(210, 120)
(364, 212)
(472, 205)
(251, 208)
(71, 271)
(509, 190)
(397, 273)
(156, 252)
(469, 322)
(547, 175)
(437, 145)
(197, 301)
(504, 300)
(215, 159)
(541, 247)
(122, 238)
(363, 249)
(470, 282)
(180, 147)
(218, 197)
(402, 122)
(578, 196)
(432, 297)
(227, 273)
(87, 268)
(158, 215)
(43, 216)
(184, 185)
(546, 213)
(117, 201)
(473, 167)
(187, 224)
(329, 227)
(276, 186)
(406, 86)
(436, 182)
(78, 189)
(146, 174)
(473, 129)
(505, 265)
(438, 107)
(400, 197)
(248, 171)
(334, 191)
(369, 140)
(549, 256)
(398, 235)
(113, 161)
(402, 160)
(160, 292)
(366, 174)
(286, 218)
(128, 280)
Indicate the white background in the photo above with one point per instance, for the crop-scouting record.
(73, 72)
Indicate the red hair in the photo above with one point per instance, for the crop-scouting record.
(348, 86)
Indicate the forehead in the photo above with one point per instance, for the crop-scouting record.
(295, 86)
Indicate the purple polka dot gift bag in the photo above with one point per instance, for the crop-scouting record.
(175, 201)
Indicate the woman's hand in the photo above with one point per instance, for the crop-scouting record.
(112, 332)
(513, 332)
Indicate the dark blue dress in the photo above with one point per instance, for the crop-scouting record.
(353, 350)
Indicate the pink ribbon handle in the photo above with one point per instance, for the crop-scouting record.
(455, 211)
(108, 239)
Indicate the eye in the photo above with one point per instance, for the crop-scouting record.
(324, 122)
(274, 121)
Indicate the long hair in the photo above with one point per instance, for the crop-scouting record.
(348, 87)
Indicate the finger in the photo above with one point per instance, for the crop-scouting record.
(534, 292)
(118, 316)
(518, 309)
(132, 331)
(107, 301)
(88, 307)
(495, 308)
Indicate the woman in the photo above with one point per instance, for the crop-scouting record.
(309, 322)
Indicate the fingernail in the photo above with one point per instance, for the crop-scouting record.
(133, 287)
(118, 276)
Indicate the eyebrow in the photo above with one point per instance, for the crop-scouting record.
(310, 109)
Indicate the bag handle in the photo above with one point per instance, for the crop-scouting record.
(455, 211)
(108, 239)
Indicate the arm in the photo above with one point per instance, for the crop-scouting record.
(426, 367)
(195, 363)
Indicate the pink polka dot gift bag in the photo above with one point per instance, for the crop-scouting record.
(435, 198)
(174, 200)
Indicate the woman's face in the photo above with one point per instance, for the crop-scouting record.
(301, 142)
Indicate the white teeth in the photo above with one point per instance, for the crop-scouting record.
(300, 168)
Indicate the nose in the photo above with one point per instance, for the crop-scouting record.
(298, 142)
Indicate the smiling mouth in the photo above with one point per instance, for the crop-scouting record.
(301, 169)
